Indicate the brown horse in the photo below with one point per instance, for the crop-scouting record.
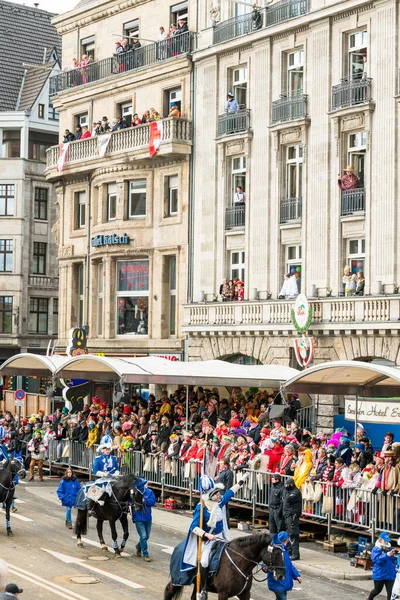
(235, 573)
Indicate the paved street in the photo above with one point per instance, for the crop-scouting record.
(39, 529)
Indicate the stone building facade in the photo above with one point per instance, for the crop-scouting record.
(122, 231)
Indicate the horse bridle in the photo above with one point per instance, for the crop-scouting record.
(247, 577)
(12, 486)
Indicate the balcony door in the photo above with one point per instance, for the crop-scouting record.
(357, 55)
(239, 86)
(295, 73)
(356, 150)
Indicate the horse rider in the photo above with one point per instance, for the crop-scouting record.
(105, 464)
(214, 525)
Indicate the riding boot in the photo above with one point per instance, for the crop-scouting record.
(203, 579)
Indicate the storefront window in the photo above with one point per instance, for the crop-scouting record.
(132, 297)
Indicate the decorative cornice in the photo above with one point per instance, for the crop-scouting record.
(354, 11)
(285, 34)
(91, 15)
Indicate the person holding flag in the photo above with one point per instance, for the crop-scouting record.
(209, 524)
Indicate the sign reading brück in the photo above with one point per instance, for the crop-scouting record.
(110, 240)
(373, 411)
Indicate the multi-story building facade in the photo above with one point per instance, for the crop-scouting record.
(28, 126)
(122, 231)
(317, 86)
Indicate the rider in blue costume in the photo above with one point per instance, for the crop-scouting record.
(105, 464)
(214, 525)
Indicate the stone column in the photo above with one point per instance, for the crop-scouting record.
(326, 407)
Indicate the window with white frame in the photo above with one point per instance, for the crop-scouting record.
(239, 179)
(100, 289)
(131, 31)
(293, 259)
(111, 201)
(82, 120)
(172, 295)
(132, 297)
(137, 199)
(294, 171)
(81, 296)
(80, 203)
(88, 47)
(172, 195)
(126, 112)
(172, 96)
(179, 11)
(356, 255)
(358, 44)
(356, 150)
(237, 266)
(295, 72)
(239, 86)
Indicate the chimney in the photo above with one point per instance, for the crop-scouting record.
(36, 4)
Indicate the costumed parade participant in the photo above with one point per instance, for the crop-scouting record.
(209, 523)
(105, 466)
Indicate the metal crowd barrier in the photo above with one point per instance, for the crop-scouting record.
(346, 507)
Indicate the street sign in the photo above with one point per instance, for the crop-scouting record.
(20, 403)
(19, 395)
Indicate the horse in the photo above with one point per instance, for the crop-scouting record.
(234, 576)
(12, 468)
(115, 508)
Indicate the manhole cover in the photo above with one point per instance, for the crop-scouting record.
(84, 579)
(99, 558)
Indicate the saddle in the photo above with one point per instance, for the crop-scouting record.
(184, 578)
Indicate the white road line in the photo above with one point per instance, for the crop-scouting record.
(70, 559)
(98, 545)
(23, 482)
(19, 517)
(165, 548)
(47, 585)
(18, 501)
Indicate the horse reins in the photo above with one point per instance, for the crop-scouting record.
(246, 577)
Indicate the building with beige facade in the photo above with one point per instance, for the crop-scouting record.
(122, 229)
(317, 87)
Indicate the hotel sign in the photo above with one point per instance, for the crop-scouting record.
(110, 240)
(373, 411)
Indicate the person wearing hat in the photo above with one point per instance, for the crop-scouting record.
(231, 105)
(282, 587)
(291, 510)
(143, 519)
(214, 526)
(276, 490)
(37, 448)
(348, 181)
(12, 590)
(383, 566)
(105, 464)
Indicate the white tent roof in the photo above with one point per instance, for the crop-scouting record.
(35, 365)
(158, 370)
(347, 377)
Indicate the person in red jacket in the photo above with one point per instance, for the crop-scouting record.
(190, 454)
(274, 455)
(225, 449)
(85, 132)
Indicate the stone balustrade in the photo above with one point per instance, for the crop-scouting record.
(43, 281)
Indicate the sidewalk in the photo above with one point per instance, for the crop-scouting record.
(314, 562)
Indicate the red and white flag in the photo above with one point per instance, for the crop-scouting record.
(156, 134)
(103, 141)
(62, 157)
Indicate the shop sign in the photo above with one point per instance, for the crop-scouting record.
(167, 356)
(110, 240)
(371, 410)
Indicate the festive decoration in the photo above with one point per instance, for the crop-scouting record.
(301, 315)
(304, 350)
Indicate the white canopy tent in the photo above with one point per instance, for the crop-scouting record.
(32, 365)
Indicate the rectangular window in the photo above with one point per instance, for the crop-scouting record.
(80, 204)
(172, 295)
(294, 171)
(293, 262)
(126, 112)
(6, 256)
(39, 258)
(137, 199)
(239, 86)
(179, 11)
(38, 151)
(55, 316)
(38, 315)
(238, 180)
(358, 43)
(53, 114)
(238, 264)
(80, 295)
(82, 119)
(172, 96)
(356, 255)
(7, 199)
(100, 287)
(41, 109)
(295, 72)
(111, 201)
(6, 308)
(41, 204)
(88, 47)
(132, 297)
(131, 31)
(356, 150)
(173, 194)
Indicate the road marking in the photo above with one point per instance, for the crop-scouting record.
(19, 517)
(18, 501)
(78, 561)
(47, 585)
(23, 482)
(98, 545)
(166, 549)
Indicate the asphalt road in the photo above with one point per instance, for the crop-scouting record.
(43, 557)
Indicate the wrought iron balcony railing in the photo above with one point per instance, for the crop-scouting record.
(290, 210)
(353, 201)
(234, 122)
(351, 91)
(289, 108)
(235, 216)
(285, 10)
(123, 62)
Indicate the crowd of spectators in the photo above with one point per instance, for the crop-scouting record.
(232, 290)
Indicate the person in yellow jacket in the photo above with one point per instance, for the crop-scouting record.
(93, 435)
(303, 467)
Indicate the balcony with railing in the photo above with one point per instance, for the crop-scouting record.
(351, 91)
(290, 210)
(353, 201)
(289, 108)
(235, 216)
(176, 139)
(43, 282)
(146, 56)
(233, 122)
(276, 13)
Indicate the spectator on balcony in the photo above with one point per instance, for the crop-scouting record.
(85, 132)
(84, 64)
(105, 124)
(122, 123)
(146, 117)
(98, 129)
(348, 281)
(349, 181)
(155, 115)
(292, 290)
(360, 284)
(119, 56)
(224, 291)
(239, 291)
(256, 18)
(239, 196)
(114, 125)
(283, 293)
(174, 111)
(182, 26)
(78, 132)
(68, 136)
(231, 105)
(135, 120)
